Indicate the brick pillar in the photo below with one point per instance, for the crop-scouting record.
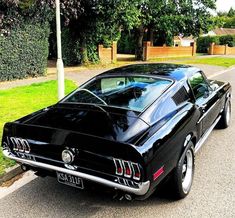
(146, 51)
(100, 48)
(114, 52)
(211, 49)
(194, 48)
(226, 49)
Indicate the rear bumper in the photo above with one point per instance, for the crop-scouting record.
(142, 188)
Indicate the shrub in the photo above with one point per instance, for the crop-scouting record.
(203, 43)
(126, 43)
(69, 48)
(227, 39)
(24, 52)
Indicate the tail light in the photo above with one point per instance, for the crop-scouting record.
(127, 169)
(119, 167)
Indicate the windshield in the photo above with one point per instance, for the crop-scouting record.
(129, 92)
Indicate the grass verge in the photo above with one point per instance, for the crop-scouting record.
(217, 61)
(20, 101)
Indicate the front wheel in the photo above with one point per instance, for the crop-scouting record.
(182, 177)
(225, 116)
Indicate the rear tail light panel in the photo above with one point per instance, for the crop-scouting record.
(127, 169)
(118, 166)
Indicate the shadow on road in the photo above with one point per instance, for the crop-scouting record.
(47, 193)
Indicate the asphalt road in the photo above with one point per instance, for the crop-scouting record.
(212, 194)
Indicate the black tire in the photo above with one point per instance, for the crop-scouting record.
(225, 116)
(181, 180)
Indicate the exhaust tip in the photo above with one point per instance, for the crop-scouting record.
(24, 167)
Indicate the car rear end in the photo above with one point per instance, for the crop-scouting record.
(77, 159)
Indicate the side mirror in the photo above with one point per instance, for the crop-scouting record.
(204, 89)
(206, 94)
(214, 86)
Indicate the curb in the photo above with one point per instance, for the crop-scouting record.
(10, 173)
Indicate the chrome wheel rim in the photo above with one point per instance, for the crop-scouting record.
(228, 113)
(187, 171)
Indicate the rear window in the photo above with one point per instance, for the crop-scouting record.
(129, 92)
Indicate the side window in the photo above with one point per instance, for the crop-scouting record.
(180, 96)
(198, 85)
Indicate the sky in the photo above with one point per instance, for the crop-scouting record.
(225, 5)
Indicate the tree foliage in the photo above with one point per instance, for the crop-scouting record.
(100, 21)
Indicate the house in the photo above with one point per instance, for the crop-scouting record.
(183, 41)
(220, 32)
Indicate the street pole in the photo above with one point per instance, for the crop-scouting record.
(59, 64)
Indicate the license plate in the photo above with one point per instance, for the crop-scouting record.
(70, 180)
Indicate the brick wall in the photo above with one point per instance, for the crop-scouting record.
(150, 52)
(108, 55)
(221, 50)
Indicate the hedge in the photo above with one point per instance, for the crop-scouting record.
(24, 52)
(203, 43)
(228, 39)
(71, 48)
(126, 44)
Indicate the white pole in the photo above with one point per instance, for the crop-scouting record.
(59, 64)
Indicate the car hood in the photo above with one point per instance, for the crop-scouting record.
(109, 123)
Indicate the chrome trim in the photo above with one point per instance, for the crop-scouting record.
(137, 165)
(205, 135)
(86, 90)
(120, 163)
(20, 144)
(71, 155)
(126, 175)
(141, 190)
(187, 139)
(203, 116)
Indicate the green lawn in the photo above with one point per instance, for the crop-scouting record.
(20, 101)
(219, 61)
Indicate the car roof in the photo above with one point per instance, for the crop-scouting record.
(175, 72)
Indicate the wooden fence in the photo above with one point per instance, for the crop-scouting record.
(108, 55)
(221, 50)
(151, 52)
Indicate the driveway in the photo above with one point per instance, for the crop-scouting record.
(212, 194)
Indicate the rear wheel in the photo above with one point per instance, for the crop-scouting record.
(225, 116)
(182, 176)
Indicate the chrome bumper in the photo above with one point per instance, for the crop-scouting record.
(141, 190)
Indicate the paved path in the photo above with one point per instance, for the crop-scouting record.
(212, 194)
(81, 77)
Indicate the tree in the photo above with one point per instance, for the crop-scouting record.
(230, 23)
(102, 22)
(173, 17)
(231, 12)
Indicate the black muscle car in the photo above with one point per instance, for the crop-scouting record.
(127, 129)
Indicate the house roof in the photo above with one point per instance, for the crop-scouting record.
(179, 38)
(224, 31)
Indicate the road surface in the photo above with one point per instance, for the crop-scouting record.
(212, 194)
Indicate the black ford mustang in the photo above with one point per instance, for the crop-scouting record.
(127, 129)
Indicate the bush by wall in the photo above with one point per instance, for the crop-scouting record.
(24, 52)
(126, 44)
(227, 40)
(203, 43)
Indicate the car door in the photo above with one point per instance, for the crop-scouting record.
(206, 100)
